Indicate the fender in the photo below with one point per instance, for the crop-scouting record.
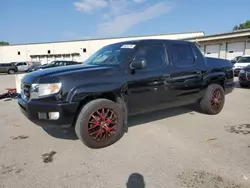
(85, 93)
(80, 92)
(213, 77)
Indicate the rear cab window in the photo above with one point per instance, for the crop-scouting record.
(186, 56)
(182, 54)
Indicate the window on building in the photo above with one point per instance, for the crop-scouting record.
(154, 55)
(84, 50)
(18, 53)
(48, 51)
(182, 54)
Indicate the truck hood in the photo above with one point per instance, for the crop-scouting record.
(60, 71)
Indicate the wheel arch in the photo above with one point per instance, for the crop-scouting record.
(116, 97)
(217, 78)
(220, 82)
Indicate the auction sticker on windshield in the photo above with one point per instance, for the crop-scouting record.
(131, 46)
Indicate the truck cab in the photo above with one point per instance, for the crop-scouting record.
(122, 79)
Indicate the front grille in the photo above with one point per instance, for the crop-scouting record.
(248, 76)
(26, 90)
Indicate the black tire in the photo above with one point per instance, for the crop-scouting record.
(209, 104)
(11, 71)
(82, 124)
(244, 85)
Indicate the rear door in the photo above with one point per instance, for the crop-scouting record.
(186, 76)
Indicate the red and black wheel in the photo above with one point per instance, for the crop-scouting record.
(214, 99)
(100, 123)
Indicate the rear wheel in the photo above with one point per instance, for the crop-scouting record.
(214, 99)
(100, 123)
(11, 71)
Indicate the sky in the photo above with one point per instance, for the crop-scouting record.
(31, 21)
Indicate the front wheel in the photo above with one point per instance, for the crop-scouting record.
(100, 123)
(213, 100)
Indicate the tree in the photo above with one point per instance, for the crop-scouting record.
(3, 43)
(244, 25)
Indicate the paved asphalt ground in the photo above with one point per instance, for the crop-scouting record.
(167, 149)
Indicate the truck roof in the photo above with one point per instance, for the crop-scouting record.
(150, 41)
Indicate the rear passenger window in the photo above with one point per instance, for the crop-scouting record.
(153, 54)
(182, 55)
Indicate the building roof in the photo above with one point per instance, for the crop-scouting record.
(107, 38)
(225, 35)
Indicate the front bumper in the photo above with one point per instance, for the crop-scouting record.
(38, 112)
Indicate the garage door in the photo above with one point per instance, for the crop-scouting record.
(35, 58)
(43, 60)
(58, 57)
(235, 49)
(51, 58)
(212, 50)
(67, 57)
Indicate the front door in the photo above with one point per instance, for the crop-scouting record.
(146, 87)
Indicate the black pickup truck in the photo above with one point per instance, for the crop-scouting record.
(123, 79)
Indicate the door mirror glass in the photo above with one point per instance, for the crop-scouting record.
(138, 64)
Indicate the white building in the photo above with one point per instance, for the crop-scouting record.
(225, 45)
(78, 50)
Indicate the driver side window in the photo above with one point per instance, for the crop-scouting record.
(154, 55)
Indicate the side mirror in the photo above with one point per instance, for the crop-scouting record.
(138, 64)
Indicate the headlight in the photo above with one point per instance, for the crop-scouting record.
(242, 71)
(40, 90)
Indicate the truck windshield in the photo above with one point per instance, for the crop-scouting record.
(244, 60)
(111, 55)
